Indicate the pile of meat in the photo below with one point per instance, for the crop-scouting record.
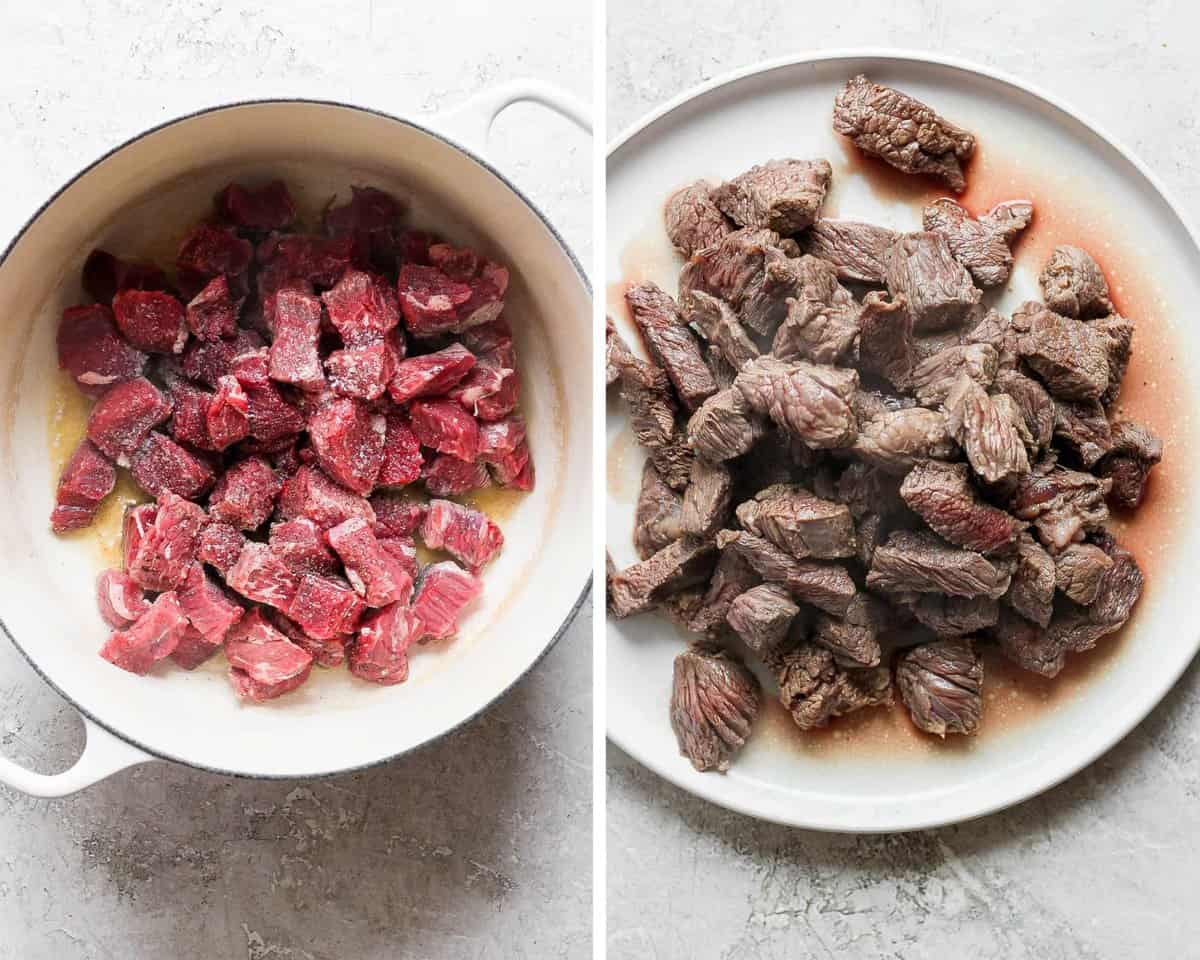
(856, 467)
(273, 397)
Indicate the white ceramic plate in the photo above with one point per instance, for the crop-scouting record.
(1088, 190)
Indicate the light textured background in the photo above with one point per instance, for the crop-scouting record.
(476, 847)
(1105, 866)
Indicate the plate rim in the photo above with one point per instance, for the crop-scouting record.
(1034, 783)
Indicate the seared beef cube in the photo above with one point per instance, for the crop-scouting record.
(1118, 333)
(207, 606)
(447, 476)
(213, 312)
(781, 195)
(163, 552)
(309, 493)
(246, 493)
(686, 562)
(800, 523)
(1001, 333)
(933, 378)
(822, 317)
(1131, 457)
(402, 459)
(729, 269)
(209, 250)
(681, 607)
(761, 617)
(646, 389)
(445, 591)
(765, 300)
(938, 289)
(941, 494)
(940, 683)
(1062, 504)
(731, 578)
(161, 465)
(1036, 407)
(1070, 357)
(983, 245)
(431, 374)
(898, 439)
(263, 663)
(349, 441)
(362, 372)
(1079, 570)
(1073, 284)
(671, 343)
(1029, 646)
(92, 350)
(919, 562)
(616, 353)
(857, 251)
(866, 489)
(885, 340)
(1032, 591)
(220, 546)
(105, 275)
(294, 355)
(826, 586)
(1082, 425)
(714, 700)
(86, 480)
(722, 329)
(300, 543)
(693, 221)
(124, 416)
(380, 652)
(989, 438)
(269, 207)
(951, 616)
(809, 400)
(708, 499)
(466, 534)
(151, 320)
(902, 131)
(153, 637)
(724, 427)
(1076, 628)
(326, 607)
(854, 637)
(227, 418)
(815, 688)
(120, 598)
(869, 532)
(261, 576)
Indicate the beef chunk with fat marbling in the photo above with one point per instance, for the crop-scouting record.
(692, 220)
(934, 377)
(811, 401)
(681, 564)
(152, 637)
(919, 562)
(1133, 453)
(657, 517)
(826, 586)
(822, 318)
(164, 551)
(897, 439)
(983, 246)
(854, 637)
(445, 591)
(761, 617)
(902, 131)
(466, 534)
(941, 494)
(707, 500)
(1062, 504)
(795, 520)
(122, 419)
(120, 598)
(990, 439)
(815, 688)
(941, 684)
(92, 350)
(938, 289)
(1073, 284)
(780, 195)
(1032, 591)
(671, 343)
(858, 251)
(722, 329)
(1070, 356)
(263, 663)
(714, 701)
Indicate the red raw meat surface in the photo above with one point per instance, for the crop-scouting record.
(269, 207)
(325, 607)
(92, 350)
(104, 275)
(404, 549)
(261, 576)
(446, 590)
(492, 343)
(466, 534)
(159, 553)
(362, 372)
(189, 422)
(396, 516)
(310, 493)
(245, 495)
(348, 440)
(300, 543)
(206, 605)
(160, 465)
(271, 417)
(208, 250)
(134, 524)
(264, 664)
(152, 637)
(374, 573)
(294, 356)
(227, 418)
(325, 653)
(430, 374)
(445, 427)
(380, 652)
(151, 320)
(86, 480)
(513, 469)
(430, 300)
(363, 308)
(220, 546)
(488, 282)
(319, 260)
(193, 649)
(412, 246)
(120, 599)
(500, 437)
(213, 312)
(209, 361)
(447, 476)
(402, 460)
(372, 218)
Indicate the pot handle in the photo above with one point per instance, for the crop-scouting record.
(103, 755)
(469, 122)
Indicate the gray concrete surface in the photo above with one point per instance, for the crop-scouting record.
(476, 847)
(1106, 865)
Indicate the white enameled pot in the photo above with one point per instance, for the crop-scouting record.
(140, 197)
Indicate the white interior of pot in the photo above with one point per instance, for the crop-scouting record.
(138, 202)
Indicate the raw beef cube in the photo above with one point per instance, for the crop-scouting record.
(319, 260)
(245, 495)
(228, 415)
(189, 423)
(213, 312)
(447, 476)
(446, 427)
(309, 493)
(271, 417)
(446, 589)
(523, 480)
(372, 219)
(93, 351)
(162, 465)
(402, 460)
(151, 320)
(209, 361)
(252, 369)
(261, 576)
(269, 207)
(300, 543)
(120, 599)
(431, 374)
(270, 301)
(134, 524)
(264, 664)
(349, 443)
(325, 653)
(397, 517)
(500, 437)
(193, 649)
(514, 469)
(466, 534)
(220, 546)
(430, 300)
(362, 372)
(363, 308)
(374, 573)
(159, 555)
(380, 652)
(488, 282)
(503, 401)
(86, 480)
(404, 550)
(486, 380)
(412, 246)
(492, 343)
(294, 357)
(122, 419)
(104, 275)
(206, 605)
(207, 251)
(152, 637)
(325, 607)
